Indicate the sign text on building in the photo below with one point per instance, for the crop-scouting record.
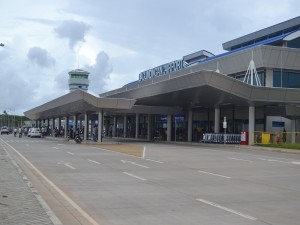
(161, 70)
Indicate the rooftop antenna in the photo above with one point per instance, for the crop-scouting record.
(79, 47)
(251, 74)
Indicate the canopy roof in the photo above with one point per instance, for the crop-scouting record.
(78, 102)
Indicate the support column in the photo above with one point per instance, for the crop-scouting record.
(59, 123)
(66, 127)
(100, 126)
(169, 127)
(190, 125)
(137, 126)
(75, 122)
(114, 129)
(293, 130)
(86, 127)
(47, 127)
(251, 123)
(217, 119)
(125, 126)
(53, 126)
(149, 128)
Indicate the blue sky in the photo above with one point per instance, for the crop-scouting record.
(114, 40)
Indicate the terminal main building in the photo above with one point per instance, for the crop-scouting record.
(254, 86)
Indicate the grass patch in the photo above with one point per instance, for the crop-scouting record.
(281, 145)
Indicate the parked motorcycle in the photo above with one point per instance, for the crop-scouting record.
(78, 139)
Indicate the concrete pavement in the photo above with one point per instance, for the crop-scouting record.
(19, 203)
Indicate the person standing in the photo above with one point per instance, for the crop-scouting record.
(284, 136)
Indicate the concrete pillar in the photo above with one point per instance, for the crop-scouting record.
(100, 126)
(251, 124)
(53, 126)
(47, 126)
(125, 126)
(86, 126)
(59, 123)
(190, 125)
(66, 126)
(75, 121)
(169, 127)
(114, 129)
(217, 119)
(137, 126)
(149, 128)
(293, 130)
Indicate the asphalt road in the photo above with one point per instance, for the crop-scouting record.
(172, 185)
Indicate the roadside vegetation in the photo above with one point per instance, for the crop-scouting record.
(282, 145)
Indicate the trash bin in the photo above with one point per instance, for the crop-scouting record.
(244, 138)
(265, 138)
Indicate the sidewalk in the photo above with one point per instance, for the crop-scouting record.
(118, 140)
(19, 204)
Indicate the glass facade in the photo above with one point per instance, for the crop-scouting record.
(78, 76)
(286, 79)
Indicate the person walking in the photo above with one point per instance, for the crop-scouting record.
(20, 132)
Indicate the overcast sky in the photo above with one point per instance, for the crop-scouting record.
(114, 40)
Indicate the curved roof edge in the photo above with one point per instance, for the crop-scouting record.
(77, 101)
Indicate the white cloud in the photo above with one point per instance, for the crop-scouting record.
(74, 31)
(99, 73)
(40, 57)
(114, 40)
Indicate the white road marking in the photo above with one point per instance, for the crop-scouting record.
(227, 209)
(144, 152)
(214, 174)
(273, 160)
(240, 159)
(68, 165)
(133, 163)
(68, 199)
(70, 153)
(55, 147)
(295, 162)
(140, 178)
(93, 161)
(154, 161)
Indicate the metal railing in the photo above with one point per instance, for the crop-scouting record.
(260, 137)
(221, 138)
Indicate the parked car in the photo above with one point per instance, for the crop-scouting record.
(29, 132)
(4, 130)
(35, 132)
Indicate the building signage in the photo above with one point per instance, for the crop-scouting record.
(277, 124)
(162, 70)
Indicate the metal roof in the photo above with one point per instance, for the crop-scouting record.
(280, 28)
(264, 42)
(77, 102)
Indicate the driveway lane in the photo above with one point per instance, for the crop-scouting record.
(169, 196)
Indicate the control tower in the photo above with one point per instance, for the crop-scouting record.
(78, 79)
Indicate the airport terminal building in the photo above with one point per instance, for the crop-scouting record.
(254, 86)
